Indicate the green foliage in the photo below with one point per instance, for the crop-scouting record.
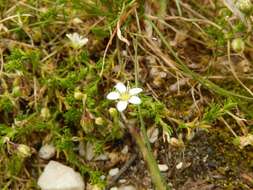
(49, 16)
(6, 104)
(215, 110)
(226, 31)
(22, 60)
(14, 166)
(72, 116)
(155, 110)
(151, 109)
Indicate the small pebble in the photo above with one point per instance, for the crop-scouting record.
(163, 167)
(101, 157)
(122, 181)
(47, 151)
(102, 177)
(57, 176)
(114, 171)
(179, 165)
(152, 134)
(124, 150)
(81, 149)
(127, 187)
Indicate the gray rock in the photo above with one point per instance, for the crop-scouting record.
(57, 176)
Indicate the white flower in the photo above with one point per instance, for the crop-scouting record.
(124, 95)
(77, 41)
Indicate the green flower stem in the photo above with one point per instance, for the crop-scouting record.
(155, 173)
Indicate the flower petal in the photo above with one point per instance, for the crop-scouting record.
(83, 41)
(134, 100)
(113, 96)
(134, 91)
(121, 105)
(120, 87)
(70, 36)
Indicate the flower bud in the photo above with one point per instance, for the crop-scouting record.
(37, 35)
(238, 45)
(45, 113)
(16, 91)
(113, 112)
(78, 95)
(16, 81)
(244, 5)
(86, 124)
(99, 121)
(24, 151)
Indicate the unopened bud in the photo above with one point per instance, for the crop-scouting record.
(78, 95)
(45, 113)
(37, 35)
(113, 112)
(238, 45)
(16, 81)
(16, 91)
(99, 121)
(24, 151)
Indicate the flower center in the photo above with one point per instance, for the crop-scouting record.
(125, 96)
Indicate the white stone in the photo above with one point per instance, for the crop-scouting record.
(122, 181)
(152, 134)
(113, 171)
(57, 176)
(179, 165)
(124, 150)
(101, 157)
(163, 167)
(127, 187)
(47, 151)
(102, 177)
(114, 188)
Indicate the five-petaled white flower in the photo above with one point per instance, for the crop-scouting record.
(124, 95)
(77, 41)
